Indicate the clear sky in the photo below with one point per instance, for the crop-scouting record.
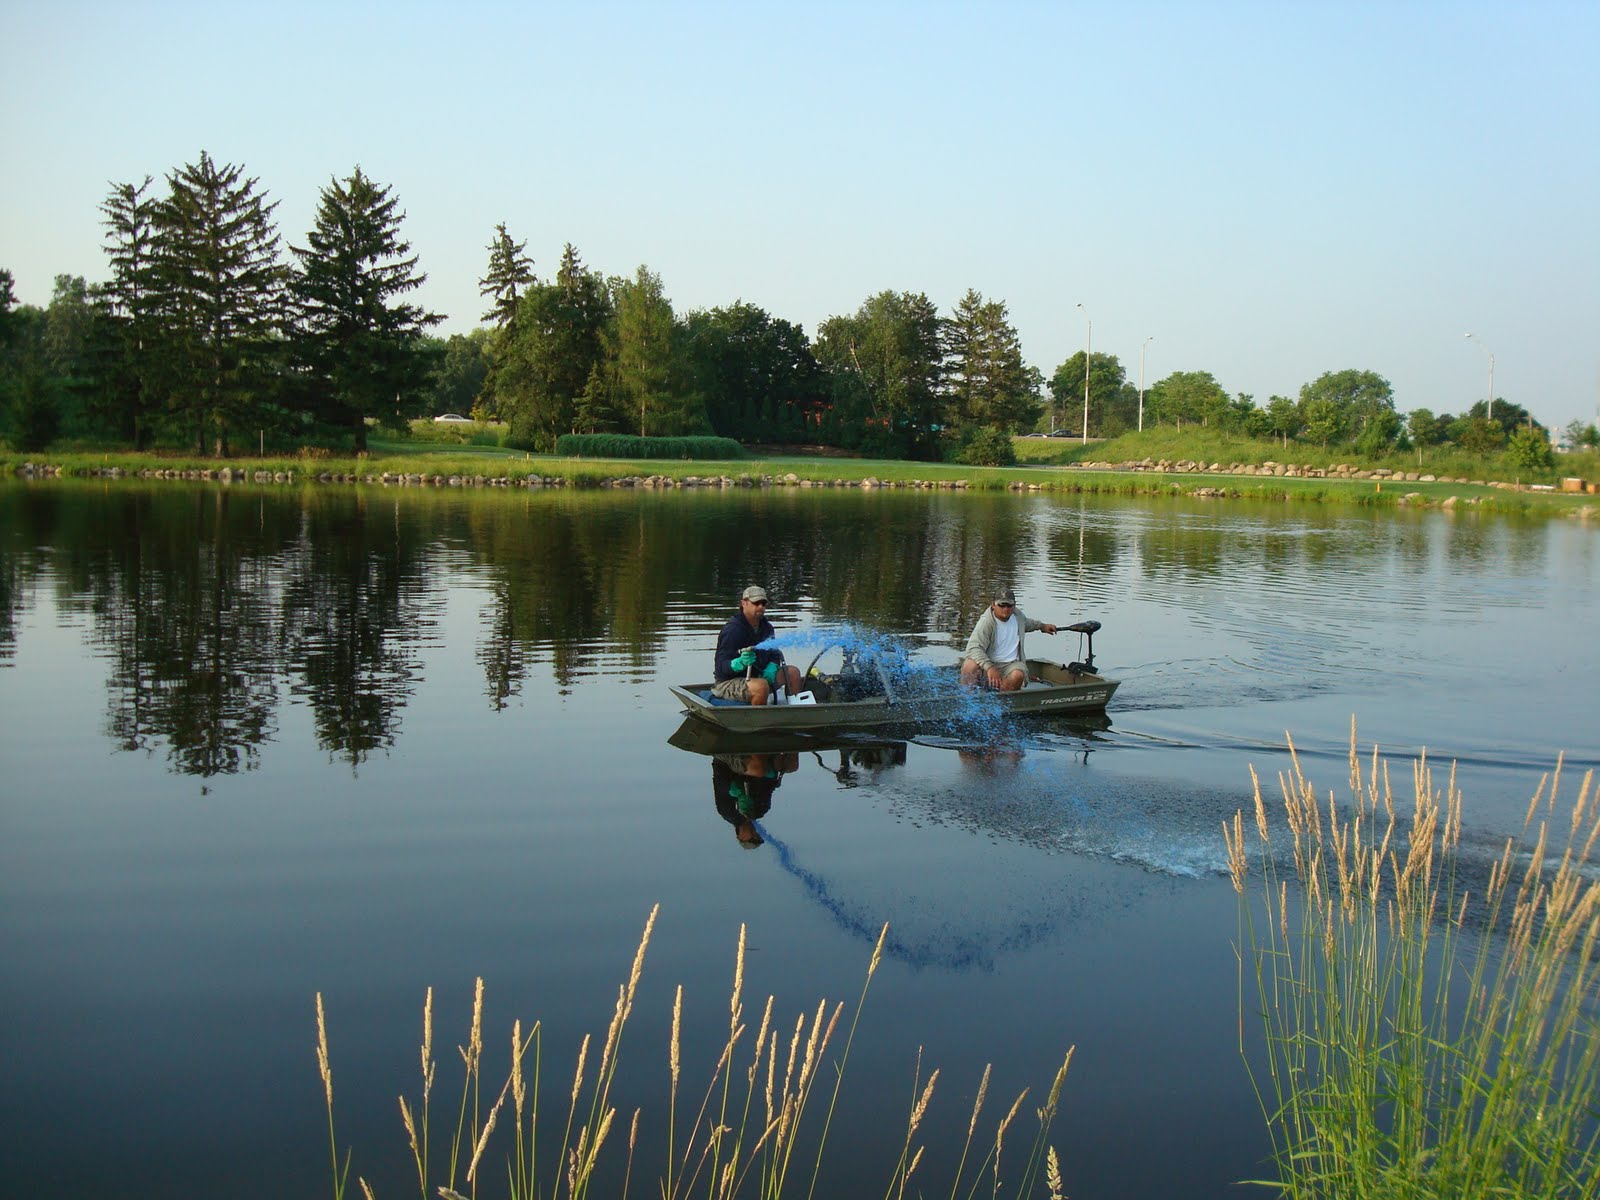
(1269, 190)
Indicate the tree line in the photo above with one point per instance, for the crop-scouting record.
(205, 334)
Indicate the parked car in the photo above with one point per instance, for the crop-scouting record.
(453, 419)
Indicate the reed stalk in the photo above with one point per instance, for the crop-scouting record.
(1420, 1040)
(733, 1148)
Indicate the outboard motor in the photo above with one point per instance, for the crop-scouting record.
(1086, 667)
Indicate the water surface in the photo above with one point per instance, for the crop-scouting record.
(263, 743)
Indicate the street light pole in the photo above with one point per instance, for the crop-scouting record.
(1142, 345)
(1088, 361)
(1490, 353)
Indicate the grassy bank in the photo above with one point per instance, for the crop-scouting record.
(1199, 444)
(469, 465)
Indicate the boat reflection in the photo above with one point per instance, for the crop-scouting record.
(747, 769)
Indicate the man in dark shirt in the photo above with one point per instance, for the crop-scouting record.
(741, 671)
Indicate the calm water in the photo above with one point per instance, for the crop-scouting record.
(257, 744)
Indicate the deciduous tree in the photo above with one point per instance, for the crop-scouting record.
(744, 363)
(1106, 382)
(888, 359)
(1193, 396)
(1529, 449)
(550, 352)
(644, 349)
(1353, 398)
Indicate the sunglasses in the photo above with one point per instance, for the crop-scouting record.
(757, 603)
(1003, 604)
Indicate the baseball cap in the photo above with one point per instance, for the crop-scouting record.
(754, 593)
(1005, 596)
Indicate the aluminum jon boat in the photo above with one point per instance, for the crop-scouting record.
(871, 694)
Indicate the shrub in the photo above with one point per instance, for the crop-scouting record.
(1530, 450)
(985, 446)
(625, 445)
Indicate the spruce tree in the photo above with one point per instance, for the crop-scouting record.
(510, 272)
(129, 299)
(356, 342)
(217, 301)
(989, 384)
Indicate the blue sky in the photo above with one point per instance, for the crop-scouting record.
(1270, 191)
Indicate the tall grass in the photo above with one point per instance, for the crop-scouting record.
(1421, 1041)
(744, 1132)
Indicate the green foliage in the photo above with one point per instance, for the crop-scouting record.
(1478, 435)
(1529, 450)
(356, 341)
(130, 402)
(548, 354)
(30, 392)
(458, 370)
(1380, 434)
(1509, 417)
(983, 446)
(1283, 418)
(988, 382)
(1193, 397)
(510, 271)
(647, 361)
(624, 445)
(1107, 383)
(886, 368)
(217, 295)
(747, 365)
(1345, 403)
(1424, 428)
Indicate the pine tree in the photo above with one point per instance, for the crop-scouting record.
(510, 272)
(988, 382)
(217, 301)
(358, 345)
(129, 298)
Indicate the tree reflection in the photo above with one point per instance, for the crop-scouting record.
(355, 605)
(213, 603)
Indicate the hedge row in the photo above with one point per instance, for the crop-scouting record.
(622, 445)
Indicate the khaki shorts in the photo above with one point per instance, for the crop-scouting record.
(737, 688)
(1015, 667)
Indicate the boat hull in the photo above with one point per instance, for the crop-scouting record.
(1051, 689)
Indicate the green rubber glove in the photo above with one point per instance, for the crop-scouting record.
(771, 674)
(746, 658)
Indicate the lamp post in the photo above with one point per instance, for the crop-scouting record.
(1142, 345)
(1490, 353)
(1088, 360)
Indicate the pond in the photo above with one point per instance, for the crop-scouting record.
(260, 744)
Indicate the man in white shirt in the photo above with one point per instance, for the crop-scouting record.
(995, 653)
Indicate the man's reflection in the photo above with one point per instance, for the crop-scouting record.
(743, 785)
(994, 761)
